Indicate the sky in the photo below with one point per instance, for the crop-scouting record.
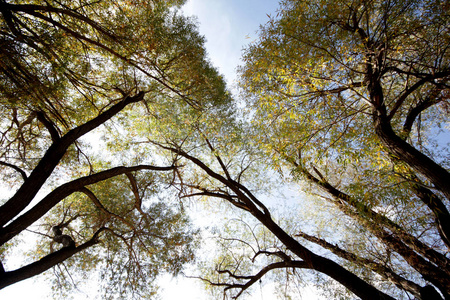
(228, 25)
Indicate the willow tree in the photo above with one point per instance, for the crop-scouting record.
(73, 68)
(352, 96)
(347, 97)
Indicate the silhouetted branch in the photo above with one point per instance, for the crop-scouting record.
(16, 168)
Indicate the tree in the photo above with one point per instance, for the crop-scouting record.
(73, 69)
(346, 96)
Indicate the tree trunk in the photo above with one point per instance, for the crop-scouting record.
(402, 150)
(421, 163)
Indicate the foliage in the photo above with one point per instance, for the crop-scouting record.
(344, 96)
(343, 100)
(76, 72)
(341, 92)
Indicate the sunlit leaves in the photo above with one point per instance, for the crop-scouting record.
(65, 63)
(306, 83)
(139, 239)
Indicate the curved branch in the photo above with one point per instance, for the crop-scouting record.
(51, 158)
(415, 111)
(99, 205)
(440, 211)
(49, 125)
(134, 188)
(63, 191)
(405, 95)
(280, 254)
(16, 168)
(254, 278)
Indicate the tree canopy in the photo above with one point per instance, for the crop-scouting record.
(70, 72)
(347, 101)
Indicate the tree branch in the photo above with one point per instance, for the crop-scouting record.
(405, 95)
(45, 263)
(280, 254)
(395, 145)
(49, 125)
(254, 278)
(51, 158)
(381, 269)
(310, 259)
(28, 8)
(37, 14)
(134, 188)
(435, 204)
(63, 191)
(16, 168)
(417, 110)
(375, 221)
(227, 197)
(100, 206)
(234, 186)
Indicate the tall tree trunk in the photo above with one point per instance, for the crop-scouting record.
(418, 161)
(402, 150)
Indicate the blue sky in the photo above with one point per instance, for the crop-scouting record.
(228, 26)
